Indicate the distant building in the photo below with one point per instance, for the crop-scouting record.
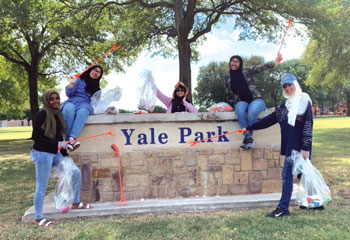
(15, 123)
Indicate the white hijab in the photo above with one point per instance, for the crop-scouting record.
(296, 103)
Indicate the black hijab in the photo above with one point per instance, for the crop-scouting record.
(239, 84)
(177, 102)
(92, 85)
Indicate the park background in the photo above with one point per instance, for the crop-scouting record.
(42, 43)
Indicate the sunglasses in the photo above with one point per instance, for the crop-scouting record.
(180, 90)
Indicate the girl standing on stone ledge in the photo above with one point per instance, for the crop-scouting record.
(78, 106)
(296, 122)
(48, 134)
(178, 102)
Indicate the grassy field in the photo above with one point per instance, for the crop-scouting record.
(331, 155)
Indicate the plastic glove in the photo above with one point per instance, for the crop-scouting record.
(62, 144)
(244, 130)
(72, 80)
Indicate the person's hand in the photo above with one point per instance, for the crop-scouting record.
(184, 100)
(62, 144)
(278, 59)
(72, 79)
(305, 154)
(244, 130)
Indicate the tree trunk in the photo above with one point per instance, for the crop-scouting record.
(347, 103)
(184, 23)
(33, 92)
(185, 64)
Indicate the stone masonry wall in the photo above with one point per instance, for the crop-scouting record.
(169, 173)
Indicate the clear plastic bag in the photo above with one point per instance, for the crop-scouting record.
(148, 92)
(220, 107)
(64, 191)
(313, 190)
(104, 100)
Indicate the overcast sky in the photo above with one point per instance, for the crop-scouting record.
(220, 45)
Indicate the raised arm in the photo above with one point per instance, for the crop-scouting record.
(266, 122)
(164, 99)
(71, 88)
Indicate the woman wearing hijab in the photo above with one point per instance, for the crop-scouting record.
(77, 108)
(240, 84)
(48, 134)
(178, 102)
(296, 122)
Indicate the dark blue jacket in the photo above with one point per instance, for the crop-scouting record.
(296, 138)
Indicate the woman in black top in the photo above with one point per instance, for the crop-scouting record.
(48, 135)
(242, 91)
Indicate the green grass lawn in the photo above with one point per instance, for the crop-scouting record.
(331, 155)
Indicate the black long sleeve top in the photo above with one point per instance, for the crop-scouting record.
(43, 143)
(296, 138)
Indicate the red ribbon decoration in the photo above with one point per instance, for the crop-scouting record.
(105, 54)
(279, 59)
(110, 132)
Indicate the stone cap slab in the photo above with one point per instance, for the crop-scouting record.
(166, 117)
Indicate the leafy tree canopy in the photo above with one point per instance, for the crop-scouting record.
(48, 40)
(178, 26)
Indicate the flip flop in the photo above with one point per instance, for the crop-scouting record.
(44, 223)
(81, 206)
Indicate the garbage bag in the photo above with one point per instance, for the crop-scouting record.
(313, 190)
(64, 191)
(148, 92)
(104, 100)
(220, 107)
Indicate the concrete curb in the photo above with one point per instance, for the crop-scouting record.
(158, 206)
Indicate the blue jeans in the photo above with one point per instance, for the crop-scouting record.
(75, 119)
(44, 161)
(287, 185)
(253, 109)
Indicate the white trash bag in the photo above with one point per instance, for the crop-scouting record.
(104, 100)
(313, 190)
(220, 107)
(148, 92)
(64, 191)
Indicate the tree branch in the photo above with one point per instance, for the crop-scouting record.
(23, 63)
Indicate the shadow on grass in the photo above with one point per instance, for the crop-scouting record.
(17, 175)
(15, 146)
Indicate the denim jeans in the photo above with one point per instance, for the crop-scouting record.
(44, 161)
(287, 184)
(253, 109)
(75, 119)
